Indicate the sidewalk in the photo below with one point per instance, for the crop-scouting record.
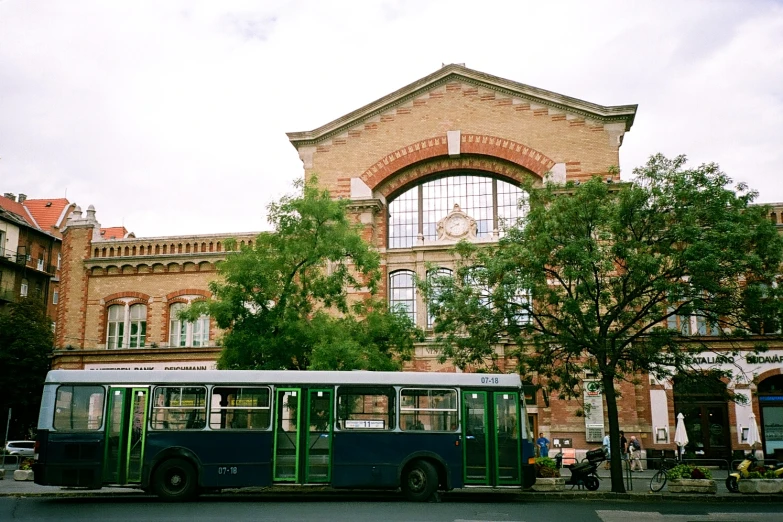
(640, 492)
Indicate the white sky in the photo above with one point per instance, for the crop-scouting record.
(170, 117)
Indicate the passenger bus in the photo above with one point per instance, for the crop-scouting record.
(181, 432)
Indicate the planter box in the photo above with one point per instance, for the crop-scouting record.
(763, 486)
(693, 486)
(23, 474)
(549, 484)
(2, 474)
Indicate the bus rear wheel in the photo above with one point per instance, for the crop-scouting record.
(420, 481)
(175, 481)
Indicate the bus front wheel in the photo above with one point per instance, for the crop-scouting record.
(175, 481)
(420, 481)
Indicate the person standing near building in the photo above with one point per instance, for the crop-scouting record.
(635, 454)
(543, 445)
(623, 446)
(607, 447)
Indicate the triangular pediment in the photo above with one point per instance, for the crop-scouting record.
(454, 73)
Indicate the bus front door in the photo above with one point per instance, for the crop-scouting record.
(490, 430)
(126, 427)
(303, 435)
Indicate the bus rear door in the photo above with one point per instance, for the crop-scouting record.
(491, 434)
(303, 435)
(126, 426)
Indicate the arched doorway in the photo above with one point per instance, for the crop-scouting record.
(770, 393)
(703, 401)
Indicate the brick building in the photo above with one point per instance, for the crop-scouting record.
(437, 161)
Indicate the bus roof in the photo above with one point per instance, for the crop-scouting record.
(282, 377)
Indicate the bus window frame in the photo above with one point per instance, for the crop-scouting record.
(216, 410)
(154, 408)
(101, 410)
(428, 411)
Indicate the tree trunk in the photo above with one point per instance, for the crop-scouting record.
(618, 486)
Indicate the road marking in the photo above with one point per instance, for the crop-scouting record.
(644, 516)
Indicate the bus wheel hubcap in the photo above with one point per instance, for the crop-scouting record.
(417, 480)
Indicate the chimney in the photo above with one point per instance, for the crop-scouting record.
(10, 196)
(22, 198)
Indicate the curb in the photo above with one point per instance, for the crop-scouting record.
(456, 494)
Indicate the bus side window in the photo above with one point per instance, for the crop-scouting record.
(79, 408)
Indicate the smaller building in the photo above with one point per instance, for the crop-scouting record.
(30, 244)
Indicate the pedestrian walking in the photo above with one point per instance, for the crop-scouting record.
(606, 445)
(635, 454)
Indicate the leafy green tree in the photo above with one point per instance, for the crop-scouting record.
(596, 276)
(284, 301)
(26, 341)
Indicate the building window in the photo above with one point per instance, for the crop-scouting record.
(55, 297)
(434, 276)
(402, 293)
(59, 260)
(24, 288)
(493, 203)
(187, 333)
(40, 265)
(122, 318)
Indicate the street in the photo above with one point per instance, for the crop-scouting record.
(376, 506)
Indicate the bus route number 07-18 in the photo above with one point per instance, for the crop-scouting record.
(490, 380)
(227, 470)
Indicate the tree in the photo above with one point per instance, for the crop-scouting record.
(26, 342)
(285, 301)
(594, 277)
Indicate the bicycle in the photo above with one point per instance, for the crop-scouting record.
(658, 481)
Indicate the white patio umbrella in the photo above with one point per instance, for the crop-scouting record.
(680, 435)
(753, 432)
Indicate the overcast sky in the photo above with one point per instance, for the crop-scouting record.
(170, 117)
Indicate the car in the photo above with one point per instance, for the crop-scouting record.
(23, 448)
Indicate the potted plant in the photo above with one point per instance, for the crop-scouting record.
(761, 480)
(685, 478)
(25, 471)
(548, 476)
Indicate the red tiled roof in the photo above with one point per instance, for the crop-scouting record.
(19, 210)
(114, 232)
(48, 212)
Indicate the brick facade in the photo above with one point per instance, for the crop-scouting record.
(455, 120)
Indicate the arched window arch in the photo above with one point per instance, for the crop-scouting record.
(402, 292)
(187, 333)
(416, 212)
(122, 318)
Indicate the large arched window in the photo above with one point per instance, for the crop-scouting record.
(416, 211)
(187, 333)
(121, 318)
(402, 292)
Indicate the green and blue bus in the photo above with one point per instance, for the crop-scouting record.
(178, 433)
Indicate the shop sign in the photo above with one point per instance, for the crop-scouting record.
(153, 366)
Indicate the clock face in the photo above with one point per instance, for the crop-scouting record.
(457, 226)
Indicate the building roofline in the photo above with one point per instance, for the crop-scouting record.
(455, 72)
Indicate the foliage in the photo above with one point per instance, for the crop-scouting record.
(284, 301)
(26, 342)
(594, 275)
(546, 467)
(755, 475)
(26, 464)
(687, 471)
